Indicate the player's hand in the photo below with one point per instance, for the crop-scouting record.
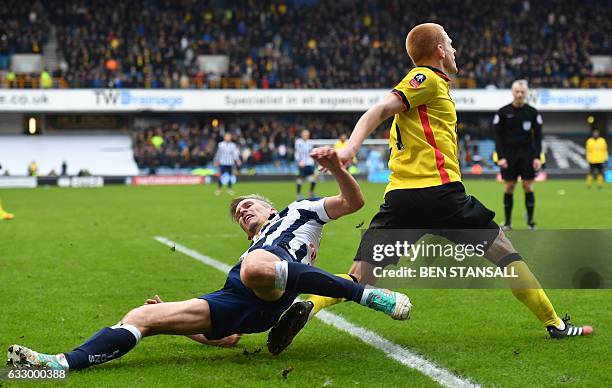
(155, 300)
(537, 164)
(227, 342)
(327, 158)
(301, 164)
(502, 163)
(346, 155)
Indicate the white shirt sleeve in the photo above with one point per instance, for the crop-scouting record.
(318, 206)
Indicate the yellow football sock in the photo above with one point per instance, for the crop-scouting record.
(600, 180)
(589, 180)
(527, 289)
(322, 302)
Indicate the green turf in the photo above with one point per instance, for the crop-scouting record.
(74, 260)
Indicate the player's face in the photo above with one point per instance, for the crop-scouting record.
(251, 214)
(596, 134)
(227, 137)
(305, 135)
(519, 93)
(450, 66)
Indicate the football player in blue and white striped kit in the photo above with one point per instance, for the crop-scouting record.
(227, 155)
(306, 165)
(274, 270)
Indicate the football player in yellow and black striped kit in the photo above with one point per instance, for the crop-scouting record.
(425, 189)
(597, 156)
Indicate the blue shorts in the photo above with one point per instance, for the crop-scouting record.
(235, 308)
(226, 169)
(306, 171)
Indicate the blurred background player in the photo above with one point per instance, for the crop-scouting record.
(305, 164)
(342, 141)
(33, 169)
(597, 156)
(517, 129)
(4, 215)
(227, 155)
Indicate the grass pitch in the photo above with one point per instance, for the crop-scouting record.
(75, 260)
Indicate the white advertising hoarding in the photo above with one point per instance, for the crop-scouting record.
(276, 100)
(28, 182)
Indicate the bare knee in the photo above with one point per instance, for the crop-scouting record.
(363, 272)
(510, 185)
(256, 273)
(248, 273)
(528, 186)
(500, 248)
(138, 317)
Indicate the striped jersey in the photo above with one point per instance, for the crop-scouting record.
(227, 153)
(298, 229)
(423, 141)
(302, 152)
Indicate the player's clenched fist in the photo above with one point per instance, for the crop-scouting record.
(326, 157)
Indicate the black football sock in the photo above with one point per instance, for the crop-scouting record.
(530, 205)
(508, 202)
(299, 187)
(312, 186)
(107, 344)
(306, 279)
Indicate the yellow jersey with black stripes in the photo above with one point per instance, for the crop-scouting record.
(423, 141)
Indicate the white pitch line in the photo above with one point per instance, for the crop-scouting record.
(391, 349)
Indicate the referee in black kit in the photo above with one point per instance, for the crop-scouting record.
(518, 143)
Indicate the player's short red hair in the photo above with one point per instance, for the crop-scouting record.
(422, 41)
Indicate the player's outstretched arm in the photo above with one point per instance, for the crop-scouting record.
(350, 198)
(368, 122)
(227, 342)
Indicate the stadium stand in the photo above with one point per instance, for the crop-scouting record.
(342, 44)
(263, 139)
(266, 142)
(23, 28)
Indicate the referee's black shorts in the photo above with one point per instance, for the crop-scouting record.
(520, 163)
(447, 209)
